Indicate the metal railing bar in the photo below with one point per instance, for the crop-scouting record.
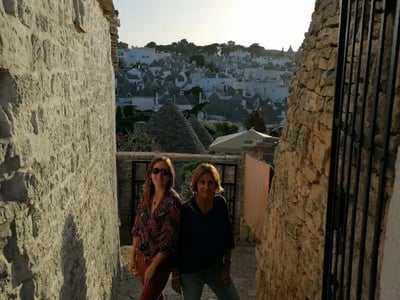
(361, 130)
(343, 133)
(348, 157)
(381, 201)
(327, 284)
(370, 158)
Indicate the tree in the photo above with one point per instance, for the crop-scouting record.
(151, 45)
(212, 67)
(216, 107)
(257, 121)
(211, 49)
(225, 128)
(122, 45)
(199, 59)
(195, 91)
(121, 64)
(182, 47)
(195, 109)
(256, 50)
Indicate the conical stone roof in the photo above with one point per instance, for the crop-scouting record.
(170, 130)
(202, 133)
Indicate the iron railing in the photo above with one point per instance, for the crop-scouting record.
(360, 155)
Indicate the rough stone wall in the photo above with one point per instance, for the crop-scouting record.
(390, 275)
(290, 257)
(291, 252)
(124, 173)
(59, 234)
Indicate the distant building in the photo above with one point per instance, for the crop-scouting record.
(136, 55)
(239, 55)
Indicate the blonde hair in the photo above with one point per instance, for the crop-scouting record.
(206, 168)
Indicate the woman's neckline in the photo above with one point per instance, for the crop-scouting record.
(205, 205)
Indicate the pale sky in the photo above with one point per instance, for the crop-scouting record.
(273, 24)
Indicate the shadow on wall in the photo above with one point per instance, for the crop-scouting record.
(73, 263)
(13, 188)
(21, 275)
(13, 182)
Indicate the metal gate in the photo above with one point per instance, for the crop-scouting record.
(228, 174)
(362, 156)
(139, 171)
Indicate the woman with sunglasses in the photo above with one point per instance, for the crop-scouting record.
(155, 230)
(206, 240)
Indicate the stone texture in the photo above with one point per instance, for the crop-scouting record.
(242, 273)
(294, 234)
(292, 248)
(59, 235)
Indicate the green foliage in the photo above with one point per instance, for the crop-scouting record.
(216, 107)
(183, 47)
(225, 127)
(125, 87)
(121, 64)
(209, 127)
(122, 45)
(212, 67)
(235, 111)
(256, 50)
(133, 142)
(199, 59)
(273, 111)
(151, 45)
(211, 49)
(187, 173)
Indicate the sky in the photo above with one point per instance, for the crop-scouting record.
(272, 24)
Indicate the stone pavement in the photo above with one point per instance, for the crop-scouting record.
(243, 271)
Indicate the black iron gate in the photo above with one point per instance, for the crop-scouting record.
(227, 171)
(228, 174)
(139, 171)
(362, 155)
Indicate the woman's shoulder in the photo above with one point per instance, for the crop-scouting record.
(220, 199)
(174, 199)
(188, 205)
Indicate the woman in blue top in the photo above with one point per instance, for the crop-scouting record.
(206, 239)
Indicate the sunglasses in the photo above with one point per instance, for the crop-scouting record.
(164, 172)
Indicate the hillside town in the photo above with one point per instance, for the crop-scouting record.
(211, 86)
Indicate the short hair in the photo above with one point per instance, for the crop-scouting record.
(206, 168)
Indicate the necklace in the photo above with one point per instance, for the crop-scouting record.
(156, 202)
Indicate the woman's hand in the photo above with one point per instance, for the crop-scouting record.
(132, 267)
(150, 271)
(176, 281)
(225, 274)
(176, 284)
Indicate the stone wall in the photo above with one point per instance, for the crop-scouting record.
(390, 275)
(290, 256)
(124, 173)
(59, 234)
